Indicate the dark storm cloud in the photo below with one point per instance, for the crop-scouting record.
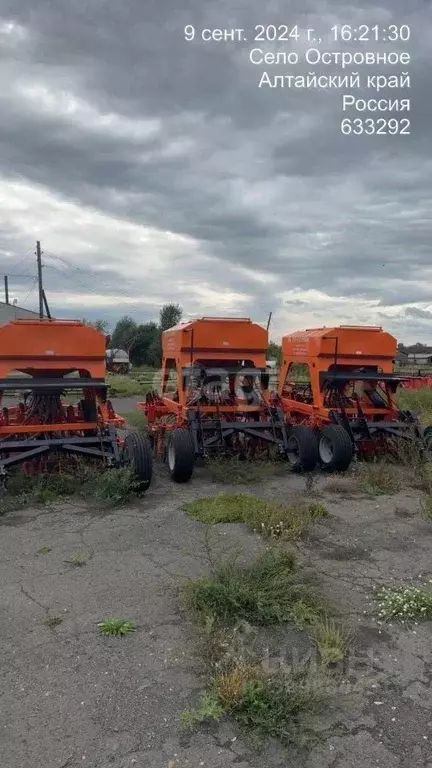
(106, 105)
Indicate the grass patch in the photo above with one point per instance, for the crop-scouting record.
(231, 606)
(239, 471)
(136, 419)
(105, 488)
(405, 604)
(116, 627)
(128, 386)
(270, 705)
(417, 400)
(78, 559)
(112, 488)
(266, 517)
(265, 593)
(44, 551)
(208, 708)
(379, 477)
(426, 507)
(332, 641)
(343, 485)
(53, 621)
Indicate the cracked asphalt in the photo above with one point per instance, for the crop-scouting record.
(71, 697)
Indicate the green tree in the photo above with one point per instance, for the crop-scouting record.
(125, 334)
(100, 325)
(146, 338)
(170, 315)
(274, 352)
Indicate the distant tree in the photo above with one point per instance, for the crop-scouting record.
(170, 315)
(274, 352)
(143, 341)
(142, 351)
(125, 334)
(100, 325)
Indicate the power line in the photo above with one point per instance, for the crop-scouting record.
(87, 274)
(31, 289)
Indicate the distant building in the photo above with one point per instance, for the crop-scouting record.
(10, 312)
(420, 358)
(402, 357)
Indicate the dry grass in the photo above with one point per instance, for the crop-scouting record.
(380, 477)
(237, 471)
(343, 485)
(332, 640)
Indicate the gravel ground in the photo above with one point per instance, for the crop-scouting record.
(71, 697)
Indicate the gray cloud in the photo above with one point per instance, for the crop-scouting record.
(177, 178)
(415, 312)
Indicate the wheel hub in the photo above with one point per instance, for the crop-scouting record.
(325, 450)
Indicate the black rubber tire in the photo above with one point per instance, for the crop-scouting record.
(180, 455)
(305, 444)
(340, 449)
(138, 455)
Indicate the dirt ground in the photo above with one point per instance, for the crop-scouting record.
(71, 697)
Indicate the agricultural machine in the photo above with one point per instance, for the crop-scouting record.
(41, 360)
(341, 383)
(118, 361)
(418, 382)
(220, 403)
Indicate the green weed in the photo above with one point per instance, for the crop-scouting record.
(405, 604)
(265, 593)
(116, 627)
(264, 516)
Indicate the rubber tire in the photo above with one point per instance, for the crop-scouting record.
(343, 449)
(307, 445)
(181, 447)
(140, 455)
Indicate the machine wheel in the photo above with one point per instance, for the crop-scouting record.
(137, 453)
(302, 450)
(180, 455)
(335, 448)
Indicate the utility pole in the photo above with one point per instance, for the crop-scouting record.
(269, 320)
(6, 284)
(40, 285)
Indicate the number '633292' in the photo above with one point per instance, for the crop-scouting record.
(379, 127)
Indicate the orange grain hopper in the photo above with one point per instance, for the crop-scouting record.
(341, 382)
(41, 360)
(214, 394)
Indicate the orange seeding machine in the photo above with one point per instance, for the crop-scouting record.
(41, 360)
(341, 383)
(219, 400)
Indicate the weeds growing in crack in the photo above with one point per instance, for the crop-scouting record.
(116, 627)
(333, 641)
(53, 621)
(78, 559)
(266, 517)
(266, 593)
(405, 604)
(231, 606)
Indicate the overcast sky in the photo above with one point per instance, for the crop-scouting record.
(154, 169)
